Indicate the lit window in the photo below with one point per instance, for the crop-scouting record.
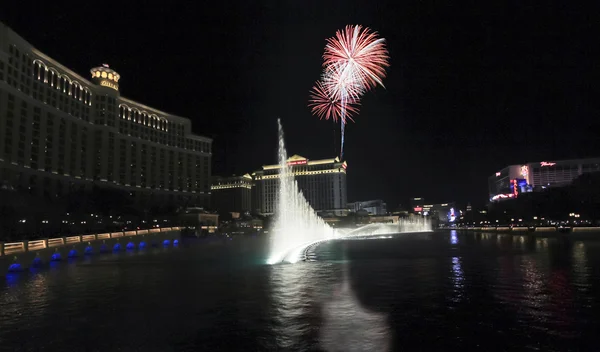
(103, 74)
(110, 76)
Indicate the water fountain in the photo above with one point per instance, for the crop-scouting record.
(296, 223)
(298, 227)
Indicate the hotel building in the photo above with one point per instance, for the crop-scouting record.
(61, 132)
(323, 183)
(232, 194)
(534, 176)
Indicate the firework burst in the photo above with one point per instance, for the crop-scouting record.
(360, 51)
(325, 106)
(355, 60)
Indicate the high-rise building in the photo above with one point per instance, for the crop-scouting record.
(323, 183)
(416, 204)
(61, 132)
(373, 207)
(232, 194)
(534, 176)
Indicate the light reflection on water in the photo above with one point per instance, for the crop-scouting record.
(439, 291)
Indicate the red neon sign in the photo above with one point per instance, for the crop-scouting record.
(344, 166)
(299, 162)
(545, 163)
(418, 209)
(515, 189)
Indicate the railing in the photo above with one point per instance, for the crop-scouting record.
(36, 245)
(536, 229)
(88, 238)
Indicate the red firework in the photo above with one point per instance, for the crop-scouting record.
(361, 51)
(342, 83)
(325, 106)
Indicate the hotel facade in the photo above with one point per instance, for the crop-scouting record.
(61, 132)
(535, 176)
(323, 183)
(232, 194)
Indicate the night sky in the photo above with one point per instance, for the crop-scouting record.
(470, 89)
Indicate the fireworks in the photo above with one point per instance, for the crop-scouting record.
(354, 63)
(324, 106)
(360, 52)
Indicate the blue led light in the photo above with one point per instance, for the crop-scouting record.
(73, 253)
(166, 242)
(55, 257)
(88, 250)
(117, 247)
(15, 268)
(130, 246)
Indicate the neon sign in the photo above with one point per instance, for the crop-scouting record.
(545, 163)
(299, 162)
(515, 185)
(109, 85)
(344, 166)
(498, 173)
(418, 209)
(503, 196)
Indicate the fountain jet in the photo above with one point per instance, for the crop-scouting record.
(298, 227)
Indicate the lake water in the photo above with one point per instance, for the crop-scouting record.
(423, 291)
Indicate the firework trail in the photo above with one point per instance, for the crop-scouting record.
(355, 60)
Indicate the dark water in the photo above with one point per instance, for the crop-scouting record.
(429, 291)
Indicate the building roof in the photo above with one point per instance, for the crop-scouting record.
(300, 160)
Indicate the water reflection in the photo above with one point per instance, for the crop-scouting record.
(457, 280)
(453, 237)
(308, 290)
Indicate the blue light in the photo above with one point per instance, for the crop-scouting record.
(117, 247)
(103, 248)
(37, 262)
(73, 253)
(15, 268)
(130, 246)
(88, 250)
(166, 242)
(453, 237)
(12, 279)
(175, 242)
(55, 257)
(142, 245)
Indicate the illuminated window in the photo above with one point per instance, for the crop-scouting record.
(104, 75)
(110, 76)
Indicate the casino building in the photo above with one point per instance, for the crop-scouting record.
(323, 183)
(61, 132)
(535, 176)
(232, 194)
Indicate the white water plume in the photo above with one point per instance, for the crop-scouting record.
(297, 226)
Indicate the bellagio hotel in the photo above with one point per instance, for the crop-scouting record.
(60, 132)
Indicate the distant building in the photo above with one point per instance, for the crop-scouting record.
(534, 176)
(372, 207)
(416, 204)
(440, 212)
(62, 133)
(323, 183)
(232, 194)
